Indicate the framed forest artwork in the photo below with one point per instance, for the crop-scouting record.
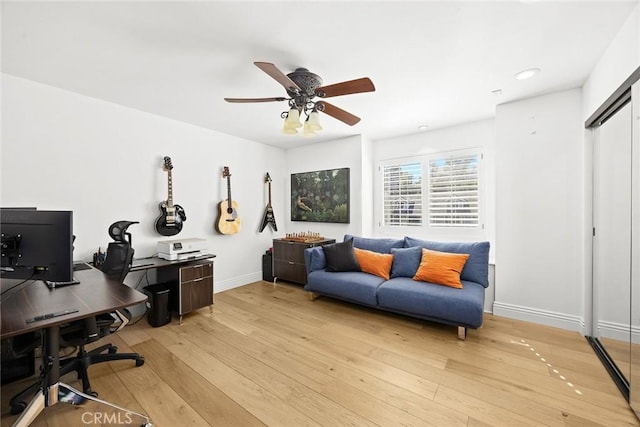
(320, 196)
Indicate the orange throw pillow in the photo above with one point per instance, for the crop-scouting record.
(441, 268)
(374, 262)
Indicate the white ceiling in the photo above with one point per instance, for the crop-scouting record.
(433, 63)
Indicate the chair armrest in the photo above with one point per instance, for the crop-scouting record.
(314, 259)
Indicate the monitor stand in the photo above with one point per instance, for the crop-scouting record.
(53, 285)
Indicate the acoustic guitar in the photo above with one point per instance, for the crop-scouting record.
(269, 217)
(169, 223)
(228, 219)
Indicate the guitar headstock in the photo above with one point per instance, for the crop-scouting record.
(225, 172)
(267, 178)
(167, 163)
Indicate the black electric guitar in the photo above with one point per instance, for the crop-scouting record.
(169, 223)
(228, 219)
(268, 218)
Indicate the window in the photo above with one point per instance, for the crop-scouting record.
(438, 191)
(402, 194)
(453, 197)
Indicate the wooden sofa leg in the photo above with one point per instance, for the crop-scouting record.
(462, 333)
(313, 296)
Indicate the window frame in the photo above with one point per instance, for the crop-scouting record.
(426, 229)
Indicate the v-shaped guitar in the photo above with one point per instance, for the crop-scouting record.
(268, 218)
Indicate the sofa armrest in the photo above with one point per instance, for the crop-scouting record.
(314, 259)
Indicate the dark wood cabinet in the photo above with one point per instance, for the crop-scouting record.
(288, 259)
(193, 286)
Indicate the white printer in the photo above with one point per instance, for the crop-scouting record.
(180, 249)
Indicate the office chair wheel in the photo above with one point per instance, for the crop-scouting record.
(112, 350)
(140, 361)
(18, 407)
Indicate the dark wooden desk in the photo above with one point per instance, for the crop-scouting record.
(155, 262)
(94, 295)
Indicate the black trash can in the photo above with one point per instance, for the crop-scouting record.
(158, 312)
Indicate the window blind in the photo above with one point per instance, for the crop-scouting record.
(402, 194)
(453, 196)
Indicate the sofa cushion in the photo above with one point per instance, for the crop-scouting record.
(340, 256)
(350, 286)
(477, 267)
(315, 259)
(381, 245)
(441, 268)
(462, 307)
(405, 261)
(374, 262)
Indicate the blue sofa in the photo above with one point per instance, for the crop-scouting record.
(401, 294)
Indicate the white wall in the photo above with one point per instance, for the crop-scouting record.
(480, 134)
(61, 150)
(341, 153)
(367, 188)
(540, 206)
(620, 59)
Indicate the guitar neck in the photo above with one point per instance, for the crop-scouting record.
(269, 193)
(170, 187)
(229, 191)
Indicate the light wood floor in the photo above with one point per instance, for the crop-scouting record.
(267, 355)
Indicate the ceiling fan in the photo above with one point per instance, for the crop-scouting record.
(303, 87)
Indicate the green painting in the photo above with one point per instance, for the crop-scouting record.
(320, 196)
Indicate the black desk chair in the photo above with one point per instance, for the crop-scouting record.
(116, 265)
(85, 332)
(91, 329)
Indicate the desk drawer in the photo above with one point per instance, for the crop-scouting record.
(289, 251)
(196, 271)
(290, 271)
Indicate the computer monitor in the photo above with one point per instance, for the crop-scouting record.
(36, 244)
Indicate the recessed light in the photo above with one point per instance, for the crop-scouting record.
(527, 74)
(423, 127)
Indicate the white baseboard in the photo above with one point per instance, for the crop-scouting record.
(613, 330)
(234, 282)
(618, 331)
(543, 317)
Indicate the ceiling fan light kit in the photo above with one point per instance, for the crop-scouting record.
(313, 122)
(292, 118)
(303, 87)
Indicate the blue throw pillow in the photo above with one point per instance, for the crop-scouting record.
(405, 261)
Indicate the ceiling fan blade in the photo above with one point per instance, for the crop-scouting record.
(345, 88)
(337, 113)
(278, 76)
(255, 99)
